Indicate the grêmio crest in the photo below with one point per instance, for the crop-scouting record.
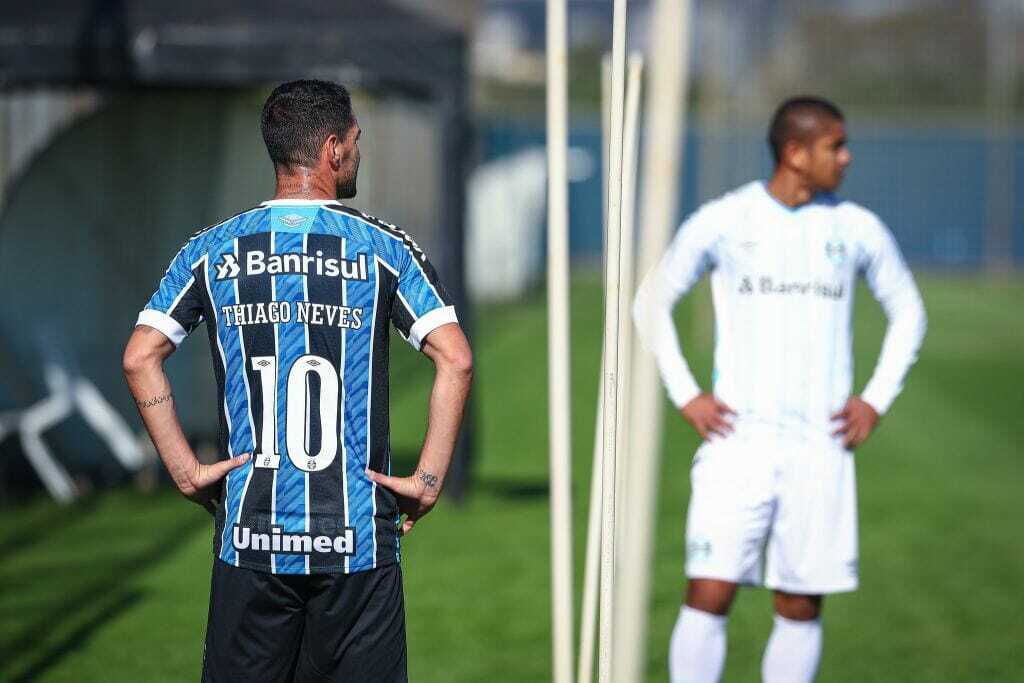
(835, 251)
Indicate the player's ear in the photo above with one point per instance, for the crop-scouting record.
(796, 154)
(332, 150)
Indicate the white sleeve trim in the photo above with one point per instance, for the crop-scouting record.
(171, 328)
(430, 322)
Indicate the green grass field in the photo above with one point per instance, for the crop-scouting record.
(115, 588)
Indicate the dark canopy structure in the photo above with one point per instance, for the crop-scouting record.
(228, 42)
(154, 46)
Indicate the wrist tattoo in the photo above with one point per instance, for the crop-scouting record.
(155, 401)
(429, 479)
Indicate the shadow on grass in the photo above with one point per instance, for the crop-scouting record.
(58, 518)
(514, 489)
(67, 595)
(77, 638)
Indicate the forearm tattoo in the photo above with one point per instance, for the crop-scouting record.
(155, 401)
(429, 479)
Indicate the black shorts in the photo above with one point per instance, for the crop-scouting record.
(266, 628)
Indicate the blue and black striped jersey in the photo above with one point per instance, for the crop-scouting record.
(297, 297)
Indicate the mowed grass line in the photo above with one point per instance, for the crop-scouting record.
(117, 589)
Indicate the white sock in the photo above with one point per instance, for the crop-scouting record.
(793, 651)
(697, 649)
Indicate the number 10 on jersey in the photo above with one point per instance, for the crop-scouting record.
(298, 413)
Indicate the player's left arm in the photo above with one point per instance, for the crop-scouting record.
(424, 314)
(892, 284)
(417, 494)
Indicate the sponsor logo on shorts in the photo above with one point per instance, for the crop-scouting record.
(281, 542)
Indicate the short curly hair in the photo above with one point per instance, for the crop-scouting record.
(299, 115)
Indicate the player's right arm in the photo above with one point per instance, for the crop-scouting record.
(143, 361)
(172, 312)
(691, 253)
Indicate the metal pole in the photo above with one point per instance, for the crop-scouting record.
(659, 200)
(630, 138)
(558, 342)
(588, 619)
(625, 503)
(588, 611)
(611, 336)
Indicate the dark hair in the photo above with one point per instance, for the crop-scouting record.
(795, 119)
(299, 115)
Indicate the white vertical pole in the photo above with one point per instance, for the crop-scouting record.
(624, 501)
(588, 611)
(670, 31)
(611, 337)
(630, 137)
(558, 341)
(588, 618)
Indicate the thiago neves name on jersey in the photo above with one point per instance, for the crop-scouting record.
(302, 312)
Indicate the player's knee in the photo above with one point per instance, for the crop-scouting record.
(710, 595)
(797, 607)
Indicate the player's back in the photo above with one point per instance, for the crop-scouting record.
(297, 296)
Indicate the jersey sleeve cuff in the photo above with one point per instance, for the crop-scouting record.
(682, 392)
(171, 328)
(877, 399)
(430, 322)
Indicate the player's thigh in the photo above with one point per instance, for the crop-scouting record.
(813, 544)
(254, 627)
(730, 510)
(355, 629)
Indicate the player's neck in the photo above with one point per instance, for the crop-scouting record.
(304, 183)
(789, 189)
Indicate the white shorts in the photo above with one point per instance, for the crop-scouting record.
(791, 502)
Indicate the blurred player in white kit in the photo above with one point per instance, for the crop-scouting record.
(774, 477)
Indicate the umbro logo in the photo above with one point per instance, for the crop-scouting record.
(293, 220)
(228, 268)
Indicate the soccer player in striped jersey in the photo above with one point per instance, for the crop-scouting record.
(298, 295)
(774, 477)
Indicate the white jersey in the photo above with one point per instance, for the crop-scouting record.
(782, 281)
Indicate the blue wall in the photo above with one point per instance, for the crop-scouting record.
(928, 185)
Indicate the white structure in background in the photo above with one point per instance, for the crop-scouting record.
(29, 120)
(505, 221)
(68, 394)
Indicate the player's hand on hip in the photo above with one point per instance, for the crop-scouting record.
(857, 421)
(709, 416)
(417, 494)
(203, 486)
